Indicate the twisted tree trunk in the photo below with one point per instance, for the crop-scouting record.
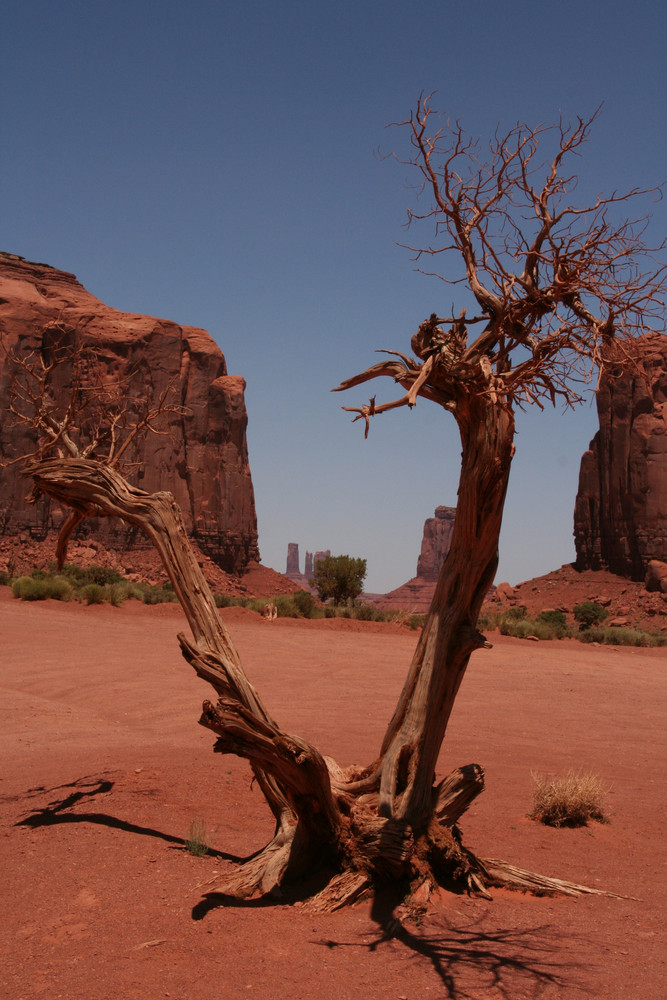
(366, 825)
(416, 732)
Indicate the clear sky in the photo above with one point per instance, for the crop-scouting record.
(217, 164)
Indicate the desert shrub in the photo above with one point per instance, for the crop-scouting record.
(329, 611)
(223, 600)
(523, 627)
(364, 613)
(252, 603)
(5, 578)
(80, 576)
(515, 614)
(571, 800)
(553, 617)
(617, 636)
(198, 842)
(305, 603)
(589, 613)
(29, 588)
(150, 594)
(117, 593)
(93, 593)
(287, 607)
(59, 589)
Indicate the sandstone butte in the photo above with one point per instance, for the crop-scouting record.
(620, 516)
(203, 457)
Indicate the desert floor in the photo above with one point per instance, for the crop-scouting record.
(104, 768)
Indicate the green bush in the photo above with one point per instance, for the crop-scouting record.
(286, 606)
(589, 613)
(615, 636)
(223, 600)
(80, 576)
(5, 578)
(523, 627)
(365, 613)
(29, 588)
(93, 593)
(515, 614)
(553, 617)
(117, 593)
(305, 603)
(151, 594)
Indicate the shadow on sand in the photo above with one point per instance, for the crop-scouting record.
(89, 788)
(468, 960)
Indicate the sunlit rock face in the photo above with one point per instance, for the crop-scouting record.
(435, 542)
(620, 516)
(202, 455)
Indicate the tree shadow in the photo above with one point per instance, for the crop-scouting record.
(88, 788)
(470, 960)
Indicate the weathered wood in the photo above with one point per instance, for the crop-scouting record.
(94, 488)
(502, 874)
(455, 794)
(415, 734)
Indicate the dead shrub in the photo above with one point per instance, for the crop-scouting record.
(570, 800)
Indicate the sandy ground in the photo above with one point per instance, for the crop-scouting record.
(104, 768)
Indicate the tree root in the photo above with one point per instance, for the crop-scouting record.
(501, 874)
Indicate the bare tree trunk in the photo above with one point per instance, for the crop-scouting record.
(416, 732)
(387, 821)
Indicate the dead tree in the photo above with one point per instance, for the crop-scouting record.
(559, 293)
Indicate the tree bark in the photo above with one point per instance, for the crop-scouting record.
(415, 734)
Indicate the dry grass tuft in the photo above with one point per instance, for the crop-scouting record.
(571, 800)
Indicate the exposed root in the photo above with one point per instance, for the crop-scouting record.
(343, 889)
(456, 792)
(501, 874)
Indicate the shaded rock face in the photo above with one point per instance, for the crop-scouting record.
(202, 456)
(292, 560)
(620, 515)
(435, 543)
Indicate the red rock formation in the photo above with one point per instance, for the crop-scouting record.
(292, 568)
(620, 516)
(293, 571)
(435, 542)
(202, 459)
(416, 595)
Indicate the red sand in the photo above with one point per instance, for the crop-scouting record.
(105, 768)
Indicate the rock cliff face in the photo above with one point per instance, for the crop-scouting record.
(620, 516)
(435, 543)
(202, 458)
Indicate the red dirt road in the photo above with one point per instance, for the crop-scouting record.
(104, 768)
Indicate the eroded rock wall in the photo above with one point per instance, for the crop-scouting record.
(435, 543)
(620, 516)
(202, 455)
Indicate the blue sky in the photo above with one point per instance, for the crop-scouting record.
(221, 165)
